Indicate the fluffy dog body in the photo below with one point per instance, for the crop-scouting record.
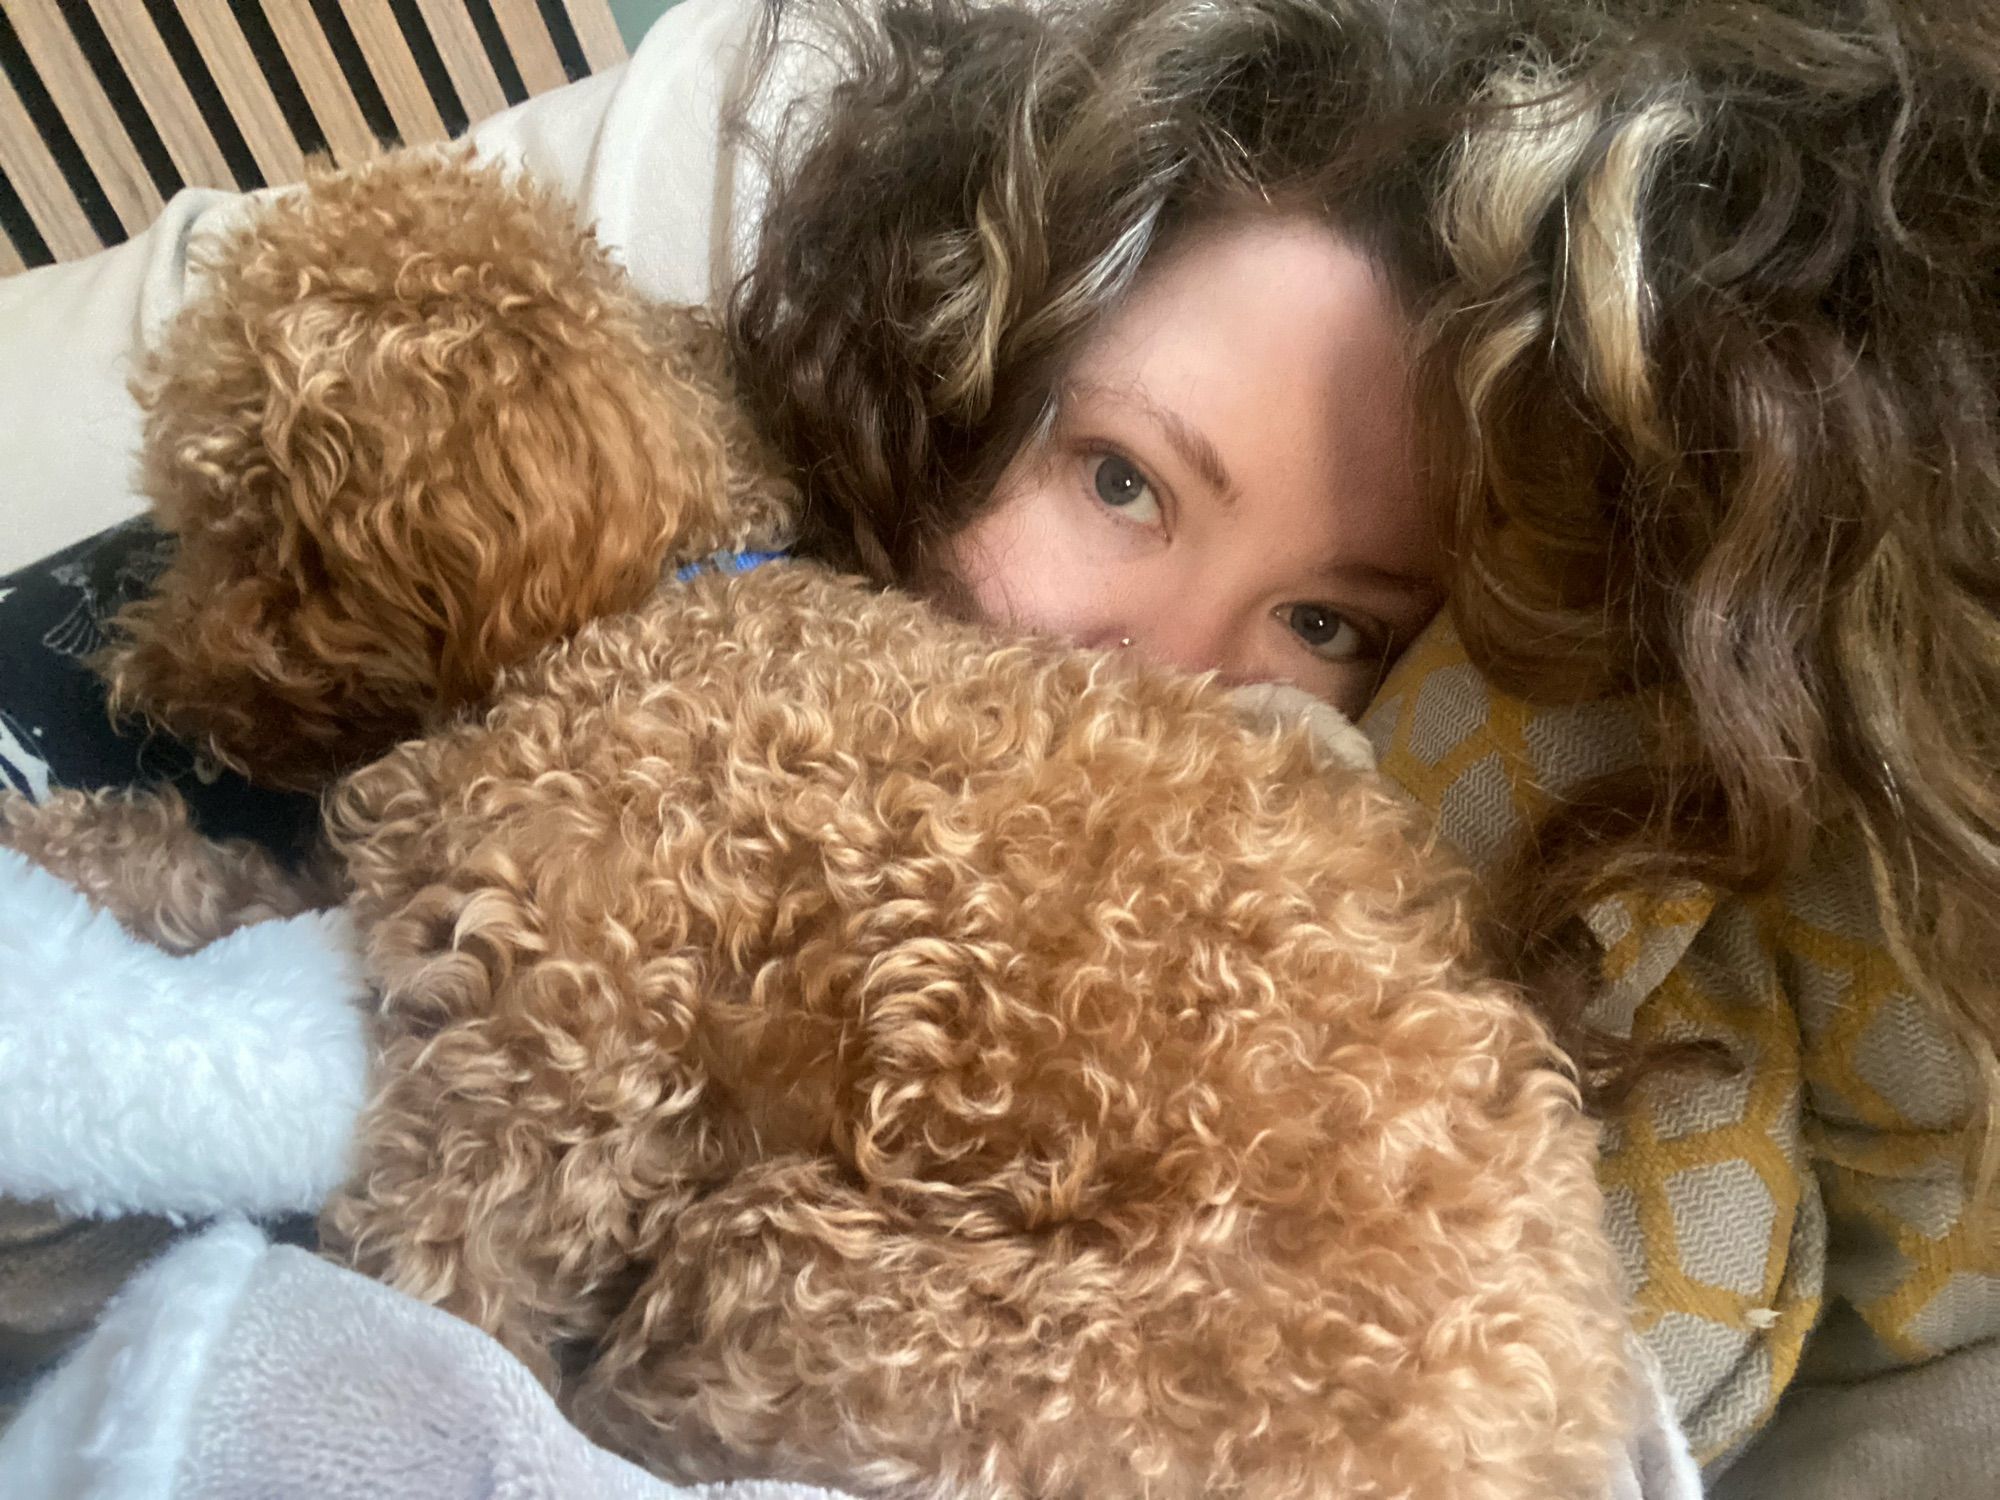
(960, 1065)
(825, 1040)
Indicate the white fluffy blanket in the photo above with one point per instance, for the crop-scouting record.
(229, 1083)
(134, 1081)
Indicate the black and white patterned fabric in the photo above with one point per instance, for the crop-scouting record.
(55, 730)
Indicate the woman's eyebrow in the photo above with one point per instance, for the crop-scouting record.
(1405, 587)
(1188, 441)
(1388, 578)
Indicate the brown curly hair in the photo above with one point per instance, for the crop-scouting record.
(1712, 336)
(985, 183)
(1714, 388)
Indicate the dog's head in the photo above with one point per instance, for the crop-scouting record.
(415, 427)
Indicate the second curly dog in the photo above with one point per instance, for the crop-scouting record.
(821, 1038)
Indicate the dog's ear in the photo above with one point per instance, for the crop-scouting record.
(417, 427)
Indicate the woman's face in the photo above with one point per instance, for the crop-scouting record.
(1228, 485)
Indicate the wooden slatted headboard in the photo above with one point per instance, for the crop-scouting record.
(109, 107)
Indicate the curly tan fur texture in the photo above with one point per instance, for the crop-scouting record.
(820, 1039)
(418, 427)
(136, 855)
(917, 1063)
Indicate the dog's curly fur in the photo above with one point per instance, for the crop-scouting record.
(949, 1064)
(138, 856)
(416, 429)
(822, 1039)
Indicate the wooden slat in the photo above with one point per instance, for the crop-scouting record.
(164, 92)
(81, 101)
(320, 79)
(597, 31)
(196, 152)
(528, 39)
(457, 41)
(41, 184)
(244, 89)
(395, 71)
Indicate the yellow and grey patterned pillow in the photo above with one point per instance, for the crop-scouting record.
(1807, 1211)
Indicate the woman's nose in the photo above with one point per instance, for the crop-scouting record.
(1182, 635)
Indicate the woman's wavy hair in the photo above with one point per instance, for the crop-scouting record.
(1716, 386)
(1709, 374)
(985, 183)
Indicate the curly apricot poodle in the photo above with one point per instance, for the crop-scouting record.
(820, 1037)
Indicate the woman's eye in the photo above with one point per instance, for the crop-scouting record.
(1329, 635)
(1120, 485)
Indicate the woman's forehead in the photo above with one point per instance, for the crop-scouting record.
(1271, 356)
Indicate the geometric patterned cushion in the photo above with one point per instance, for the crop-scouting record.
(1805, 1211)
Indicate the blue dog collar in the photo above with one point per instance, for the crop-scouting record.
(727, 562)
